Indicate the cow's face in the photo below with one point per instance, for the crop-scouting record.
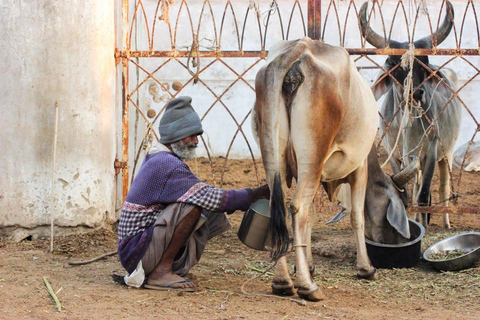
(418, 77)
(398, 74)
(386, 219)
(393, 63)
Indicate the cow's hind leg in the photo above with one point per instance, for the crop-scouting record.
(282, 284)
(311, 264)
(300, 207)
(444, 189)
(311, 221)
(358, 183)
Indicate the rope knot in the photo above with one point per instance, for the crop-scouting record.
(407, 64)
(194, 59)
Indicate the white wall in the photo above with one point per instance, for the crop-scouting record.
(218, 124)
(57, 51)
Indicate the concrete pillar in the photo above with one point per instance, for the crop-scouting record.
(57, 51)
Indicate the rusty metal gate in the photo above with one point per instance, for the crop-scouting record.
(183, 40)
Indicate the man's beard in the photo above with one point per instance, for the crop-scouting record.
(185, 151)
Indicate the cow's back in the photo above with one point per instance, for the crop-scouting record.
(333, 111)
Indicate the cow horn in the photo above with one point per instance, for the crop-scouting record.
(441, 34)
(371, 36)
(401, 178)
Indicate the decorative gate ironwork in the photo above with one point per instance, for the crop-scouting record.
(199, 35)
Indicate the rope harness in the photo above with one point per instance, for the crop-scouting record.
(406, 62)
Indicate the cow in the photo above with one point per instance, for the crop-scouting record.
(315, 120)
(467, 156)
(431, 124)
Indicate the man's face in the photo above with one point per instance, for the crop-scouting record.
(185, 149)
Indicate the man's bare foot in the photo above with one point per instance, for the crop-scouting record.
(169, 279)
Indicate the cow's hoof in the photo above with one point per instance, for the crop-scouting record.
(283, 289)
(368, 275)
(315, 295)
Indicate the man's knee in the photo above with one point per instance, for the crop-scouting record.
(195, 212)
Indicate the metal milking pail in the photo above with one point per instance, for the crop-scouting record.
(254, 230)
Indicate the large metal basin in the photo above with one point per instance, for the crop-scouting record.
(467, 242)
(402, 255)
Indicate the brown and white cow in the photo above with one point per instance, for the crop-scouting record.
(316, 119)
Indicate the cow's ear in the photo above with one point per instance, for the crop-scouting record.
(447, 74)
(397, 217)
(381, 86)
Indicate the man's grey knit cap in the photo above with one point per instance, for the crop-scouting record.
(179, 121)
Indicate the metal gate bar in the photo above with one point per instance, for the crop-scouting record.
(315, 29)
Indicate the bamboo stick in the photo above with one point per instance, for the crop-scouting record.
(54, 296)
(77, 263)
(52, 210)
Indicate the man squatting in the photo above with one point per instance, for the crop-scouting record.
(169, 214)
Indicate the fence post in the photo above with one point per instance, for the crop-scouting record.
(314, 19)
(125, 97)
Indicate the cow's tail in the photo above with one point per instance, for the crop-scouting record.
(278, 225)
(284, 93)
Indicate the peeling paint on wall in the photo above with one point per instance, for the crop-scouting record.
(48, 58)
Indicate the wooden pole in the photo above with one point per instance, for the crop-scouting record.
(52, 210)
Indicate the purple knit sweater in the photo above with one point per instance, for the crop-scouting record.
(164, 179)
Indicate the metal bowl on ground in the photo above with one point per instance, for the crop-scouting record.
(402, 255)
(255, 226)
(455, 253)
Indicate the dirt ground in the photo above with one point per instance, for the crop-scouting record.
(89, 292)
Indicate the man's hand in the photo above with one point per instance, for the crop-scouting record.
(262, 192)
